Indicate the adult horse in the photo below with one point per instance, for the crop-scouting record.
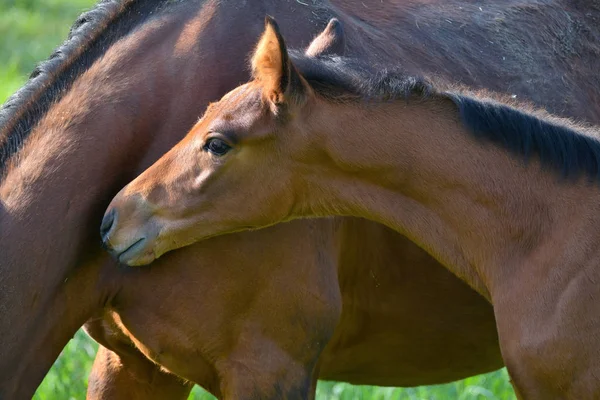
(393, 330)
(506, 196)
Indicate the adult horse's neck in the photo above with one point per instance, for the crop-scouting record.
(87, 145)
(477, 208)
(49, 195)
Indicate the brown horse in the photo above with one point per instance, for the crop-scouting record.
(130, 80)
(506, 197)
(51, 288)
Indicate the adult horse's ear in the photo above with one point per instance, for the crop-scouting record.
(331, 41)
(272, 68)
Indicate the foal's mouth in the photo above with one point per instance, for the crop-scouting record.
(131, 251)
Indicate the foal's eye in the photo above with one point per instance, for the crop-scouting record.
(217, 146)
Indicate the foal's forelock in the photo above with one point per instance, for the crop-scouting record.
(89, 38)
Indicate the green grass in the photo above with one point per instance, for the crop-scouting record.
(68, 379)
(29, 31)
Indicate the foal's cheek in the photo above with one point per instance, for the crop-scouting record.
(201, 181)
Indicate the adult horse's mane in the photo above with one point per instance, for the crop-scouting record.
(561, 145)
(89, 37)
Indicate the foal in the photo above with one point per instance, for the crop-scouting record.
(320, 137)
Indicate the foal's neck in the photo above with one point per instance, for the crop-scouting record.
(413, 166)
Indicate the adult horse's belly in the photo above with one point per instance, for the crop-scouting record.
(406, 320)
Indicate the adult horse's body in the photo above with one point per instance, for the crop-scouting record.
(506, 197)
(399, 325)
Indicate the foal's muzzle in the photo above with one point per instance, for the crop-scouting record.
(127, 232)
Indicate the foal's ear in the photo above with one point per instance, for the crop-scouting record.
(331, 41)
(272, 68)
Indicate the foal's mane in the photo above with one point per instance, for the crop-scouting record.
(559, 144)
(89, 37)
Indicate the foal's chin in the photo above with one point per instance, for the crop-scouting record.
(138, 255)
(135, 252)
(132, 245)
(140, 245)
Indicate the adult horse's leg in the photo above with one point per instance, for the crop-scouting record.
(250, 320)
(126, 374)
(132, 377)
(121, 371)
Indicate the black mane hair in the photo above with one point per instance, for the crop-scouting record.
(559, 144)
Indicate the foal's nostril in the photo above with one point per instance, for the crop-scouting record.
(107, 223)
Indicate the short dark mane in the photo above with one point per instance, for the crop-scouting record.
(570, 150)
(560, 145)
(343, 79)
(89, 37)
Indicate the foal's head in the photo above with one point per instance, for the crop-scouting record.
(235, 168)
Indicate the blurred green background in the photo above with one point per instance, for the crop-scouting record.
(29, 31)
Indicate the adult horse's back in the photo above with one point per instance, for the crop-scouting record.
(541, 51)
